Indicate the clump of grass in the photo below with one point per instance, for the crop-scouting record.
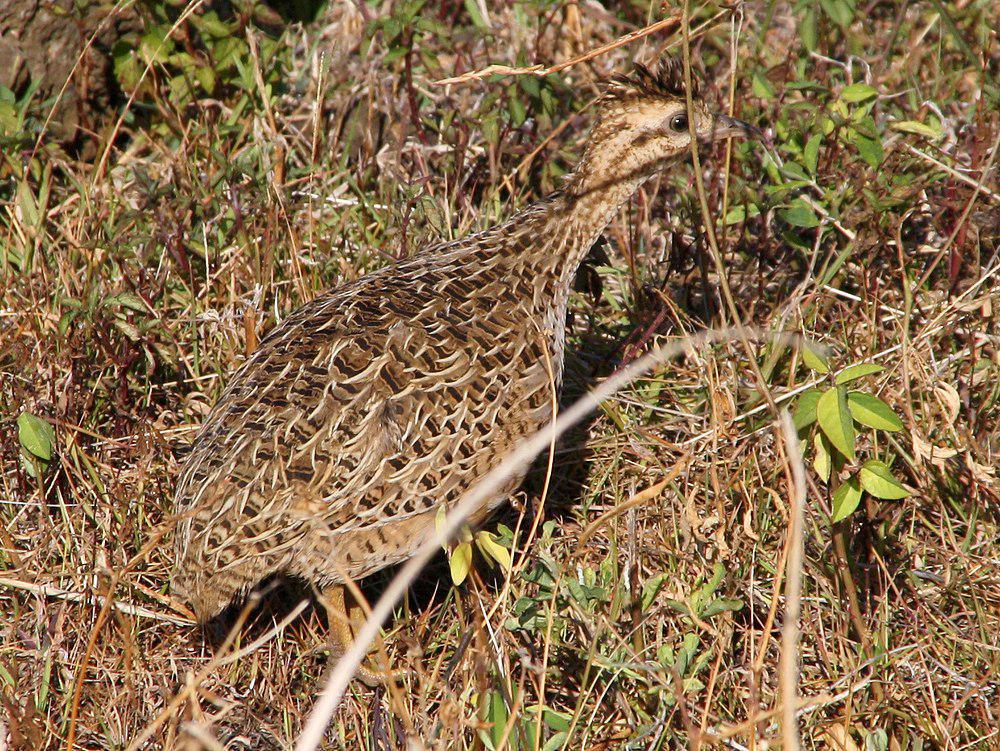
(645, 597)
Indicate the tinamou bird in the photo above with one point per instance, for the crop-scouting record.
(383, 400)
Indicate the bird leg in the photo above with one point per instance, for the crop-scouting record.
(342, 635)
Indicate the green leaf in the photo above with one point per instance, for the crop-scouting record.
(799, 214)
(32, 466)
(877, 740)
(858, 92)
(855, 372)
(156, 45)
(805, 408)
(490, 125)
(807, 29)
(206, 77)
(556, 720)
(210, 24)
(839, 11)
(493, 550)
(704, 593)
(822, 462)
(497, 715)
(530, 85)
(917, 128)
(797, 172)
(846, 500)
(687, 653)
(9, 120)
(810, 153)
(761, 87)
(651, 588)
(873, 412)
(460, 562)
(439, 520)
(870, 149)
(128, 329)
(516, 109)
(738, 214)
(6, 678)
(814, 358)
(472, 8)
(37, 437)
(65, 320)
(27, 204)
(180, 89)
(128, 300)
(878, 480)
(835, 420)
(864, 123)
(721, 605)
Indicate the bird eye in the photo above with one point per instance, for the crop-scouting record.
(679, 123)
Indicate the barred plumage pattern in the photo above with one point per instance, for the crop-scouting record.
(366, 410)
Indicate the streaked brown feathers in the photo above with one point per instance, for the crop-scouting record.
(665, 79)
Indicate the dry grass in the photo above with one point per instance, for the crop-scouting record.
(618, 626)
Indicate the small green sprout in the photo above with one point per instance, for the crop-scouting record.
(495, 549)
(838, 413)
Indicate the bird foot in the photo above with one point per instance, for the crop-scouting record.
(342, 636)
(371, 676)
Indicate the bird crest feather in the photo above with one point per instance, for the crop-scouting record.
(665, 79)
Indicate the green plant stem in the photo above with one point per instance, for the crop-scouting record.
(850, 588)
(708, 221)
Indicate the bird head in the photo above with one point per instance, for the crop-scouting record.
(644, 117)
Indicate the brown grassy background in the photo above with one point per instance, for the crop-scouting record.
(132, 285)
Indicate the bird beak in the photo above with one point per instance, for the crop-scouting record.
(729, 127)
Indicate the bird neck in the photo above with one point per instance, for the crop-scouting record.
(602, 183)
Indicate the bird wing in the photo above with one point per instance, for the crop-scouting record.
(375, 403)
